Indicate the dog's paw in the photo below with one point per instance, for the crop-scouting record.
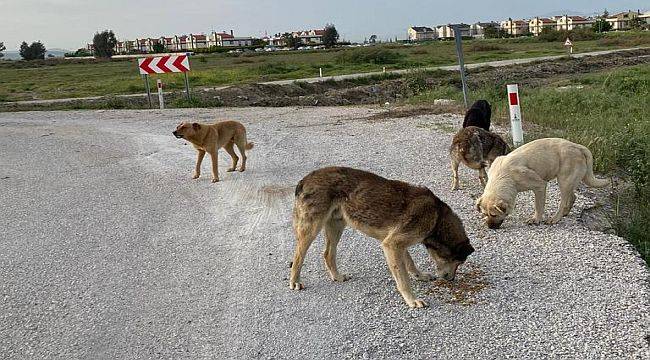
(533, 221)
(195, 175)
(341, 278)
(214, 180)
(242, 169)
(297, 285)
(231, 169)
(425, 276)
(417, 304)
(551, 221)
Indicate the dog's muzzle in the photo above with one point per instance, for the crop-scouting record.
(178, 136)
(494, 225)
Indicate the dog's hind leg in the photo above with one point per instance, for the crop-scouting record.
(413, 270)
(241, 145)
(231, 151)
(482, 174)
(394, 253)
(306, 228)
(333, 229)
(568, 187)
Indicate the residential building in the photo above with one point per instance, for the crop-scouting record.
(621, 21)
(180, 43)
(421, 33)
(310, 37)
(197, 41)
(274, 40)
(225, 39)
(167, 42)
(573, 22)
(447, 31)
(477, 30)
(645, 17)
(515, 27)
(538, 24)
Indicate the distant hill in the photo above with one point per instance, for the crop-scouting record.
(15, 55)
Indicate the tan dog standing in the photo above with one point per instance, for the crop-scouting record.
(396, 213)
(210, 138)
(531, 167)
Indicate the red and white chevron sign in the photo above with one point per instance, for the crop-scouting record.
(164, 64)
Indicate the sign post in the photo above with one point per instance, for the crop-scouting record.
(515, 115)
(569, 45)
(161, 100)
(162, 65)
(461, 62)
(146, 86)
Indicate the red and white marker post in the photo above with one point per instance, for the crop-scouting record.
(515, 115)
(160, 94)
(569, 45)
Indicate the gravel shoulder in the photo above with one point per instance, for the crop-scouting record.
(110, 250)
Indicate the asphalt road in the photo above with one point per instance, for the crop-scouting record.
(110, 251)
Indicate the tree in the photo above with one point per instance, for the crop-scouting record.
(2, 48)
(492, 32)
(104, 43)
(601, 25)
(331, 36)
(291, 41)
(32, 52)
(158, 47)
(637, 24)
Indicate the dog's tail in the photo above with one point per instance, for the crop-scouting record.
(249, 145)
(589, 177)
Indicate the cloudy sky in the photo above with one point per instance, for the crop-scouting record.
(70, 24)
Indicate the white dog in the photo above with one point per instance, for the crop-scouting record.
(530, 167)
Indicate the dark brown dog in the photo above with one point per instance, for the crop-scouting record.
(477, 149)
(396, 213)
(479, 115)
(210, 137)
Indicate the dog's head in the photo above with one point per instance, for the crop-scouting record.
(448, 245)
(186, 130)
(494, 210)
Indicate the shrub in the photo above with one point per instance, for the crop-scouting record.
(369, 56)
(551, 35)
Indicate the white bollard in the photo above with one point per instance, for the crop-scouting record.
(384, 69)
(160, 94)
(515, 115)
(320, 72)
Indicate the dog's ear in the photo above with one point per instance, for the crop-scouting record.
(196, 126)
(501, 206)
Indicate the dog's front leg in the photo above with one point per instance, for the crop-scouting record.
(412, 269)
(540, 202)
(215, 165)
(395, 258)
(197, 168)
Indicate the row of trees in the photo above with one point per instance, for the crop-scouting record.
(33, 51)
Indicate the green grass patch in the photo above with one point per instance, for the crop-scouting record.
(51, 79)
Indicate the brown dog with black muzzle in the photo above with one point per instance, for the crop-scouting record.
(396, 213)
(210, 138)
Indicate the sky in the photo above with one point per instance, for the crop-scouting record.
(70, 24)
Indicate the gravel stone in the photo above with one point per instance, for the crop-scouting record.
(110, 250)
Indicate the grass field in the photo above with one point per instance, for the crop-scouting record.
(66, 79)
(609, 112)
